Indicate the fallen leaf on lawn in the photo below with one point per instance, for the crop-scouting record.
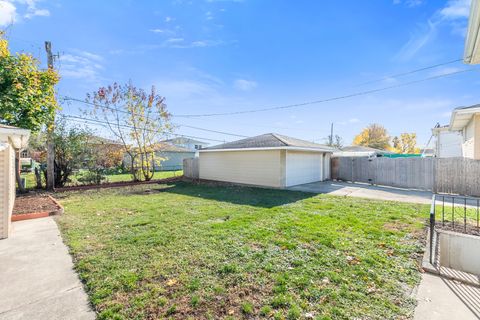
(171, 282)
(353, 260)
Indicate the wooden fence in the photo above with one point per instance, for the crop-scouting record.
(441, 175)
(190, 168)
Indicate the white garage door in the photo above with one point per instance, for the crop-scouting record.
(303, 167)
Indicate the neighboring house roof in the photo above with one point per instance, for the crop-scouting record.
(461, 116)
(438, 129)
(363, 149)
(360, 151)
(182, 140)
(472, 44)
(427, 151)
(270, 141)
(167, 147)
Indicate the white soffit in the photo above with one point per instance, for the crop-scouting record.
(16, 136)
(460, 118)
(472, 44)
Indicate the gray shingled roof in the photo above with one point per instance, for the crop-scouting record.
(270, 140)
(469, 107)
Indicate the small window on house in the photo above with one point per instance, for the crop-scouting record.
(24, 154)
(198, 147)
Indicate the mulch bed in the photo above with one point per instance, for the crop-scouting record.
(460, 228)
(35, 206)
(118, 184)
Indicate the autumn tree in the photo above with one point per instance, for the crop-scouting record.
(138, 119)
(102, 156)
(406, 143)
(27, 93)
(373, 136)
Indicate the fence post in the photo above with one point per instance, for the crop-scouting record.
(432, 227)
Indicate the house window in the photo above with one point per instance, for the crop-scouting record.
(24, 154)
(198, 147)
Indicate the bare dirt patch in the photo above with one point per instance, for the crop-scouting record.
(34, 204)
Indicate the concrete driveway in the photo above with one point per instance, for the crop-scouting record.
(37, 280)
(366, 191)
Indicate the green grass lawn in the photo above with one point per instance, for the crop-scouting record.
(186, 251)
(157, 175)
(31, 182)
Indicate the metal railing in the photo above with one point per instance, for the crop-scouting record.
(458, 213)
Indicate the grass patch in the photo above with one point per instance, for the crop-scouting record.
(281, 254)
(123, 177)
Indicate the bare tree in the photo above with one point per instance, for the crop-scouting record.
(137, 119)
(334, 141)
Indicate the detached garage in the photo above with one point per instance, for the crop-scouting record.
(11, 138)
(269, 160)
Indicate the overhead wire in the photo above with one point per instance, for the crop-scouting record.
(133, 113)
(296, 105)
(402, 74)
(105, 124)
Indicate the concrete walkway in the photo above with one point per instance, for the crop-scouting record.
(37, 280)
(366, 191)
(442, 299)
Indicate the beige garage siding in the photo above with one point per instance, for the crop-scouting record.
(263, 167)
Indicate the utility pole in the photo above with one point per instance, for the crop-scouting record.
(50, 128)
(331, 135)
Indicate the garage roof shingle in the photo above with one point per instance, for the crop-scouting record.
(270, 140)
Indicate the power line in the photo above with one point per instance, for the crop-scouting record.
(356, 94)
(398, 75)
(214, 131)
(133, 113)
(105, 125)
(304, 103)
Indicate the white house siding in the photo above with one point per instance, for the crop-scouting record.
(449, 144)
(469, 140)
(262, 167)
(172, 160)
(474, 130)
(7, 190)
(304, 167)
(3, 193)
(165, 160)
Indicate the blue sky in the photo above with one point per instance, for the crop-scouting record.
(220, 56)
